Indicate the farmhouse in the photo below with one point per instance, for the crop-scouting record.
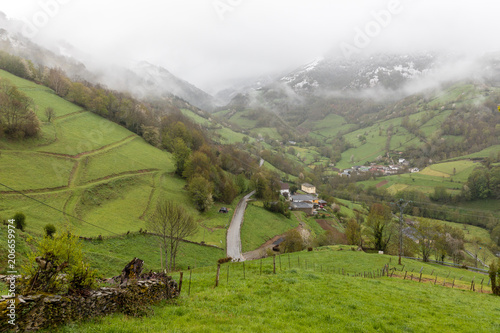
(303, 207)
(308, 188)
(304, 198)
(285, 190)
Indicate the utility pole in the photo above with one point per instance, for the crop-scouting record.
(402, 205)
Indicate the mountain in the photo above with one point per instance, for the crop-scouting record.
(141, 79)
(376, 71)
(156, 80)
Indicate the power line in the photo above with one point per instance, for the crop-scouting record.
(57, 209)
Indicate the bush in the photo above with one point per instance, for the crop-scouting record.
(50, 230)
(20, 221)
(293, 241)
(52, 258)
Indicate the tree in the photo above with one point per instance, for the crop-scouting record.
(49, 113)
(426, 235)
(58, 81)
(50, 230)
(200, 191)
(293, 242)
(478, 184)
(379, 226)
(353, 232)
(181, 155)
(495, 277)
(171, 223)
(16, 116)
(20, 221)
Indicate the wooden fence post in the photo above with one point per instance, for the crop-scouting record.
(180, 282)
(189, 287)
(436, 279)
(274, 264)
(453, 284)
(217, 276)
(406, 272)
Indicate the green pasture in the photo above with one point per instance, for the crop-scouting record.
(241, 119)
(195, 117)
(267, 132)
(228, 136)
(42, 96)
(260, 225)
(110, 255)
(309, 293)
(30, 171)
(132, 156)
(37, 214)
(84, 132)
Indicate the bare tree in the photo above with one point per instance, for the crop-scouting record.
(171, 223)
(49, 113)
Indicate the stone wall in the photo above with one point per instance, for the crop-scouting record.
(44, 310)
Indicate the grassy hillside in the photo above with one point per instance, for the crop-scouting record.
(309, 294)
(94, 177)
(82, 165)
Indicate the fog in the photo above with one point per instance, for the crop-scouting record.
(213, 42)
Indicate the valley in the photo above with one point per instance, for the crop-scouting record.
(344, 166)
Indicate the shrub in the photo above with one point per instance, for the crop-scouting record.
(52, 258)
(19, 221)
(293, 241)
(50, 230)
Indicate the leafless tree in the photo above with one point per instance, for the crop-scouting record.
(171, 223)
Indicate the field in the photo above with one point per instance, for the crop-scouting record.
(308, 293)
(259, 226)
(451, 175)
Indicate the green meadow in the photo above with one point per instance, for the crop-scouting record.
(309, 293)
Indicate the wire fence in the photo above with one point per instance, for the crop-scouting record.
(226, 273)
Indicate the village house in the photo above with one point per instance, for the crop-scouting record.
(308, 188)
(285, 190)
(302, 207)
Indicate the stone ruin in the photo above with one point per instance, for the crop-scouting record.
(133, 290)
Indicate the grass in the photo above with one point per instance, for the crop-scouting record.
(195, 117)
(260, 225)
(297, 299)
(111, 255)
(37, 214)
(31, 171)
(42, 96)
(84, 132)
(133, 156)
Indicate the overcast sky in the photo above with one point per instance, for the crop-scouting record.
(209, 42)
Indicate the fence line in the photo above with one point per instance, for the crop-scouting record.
(273, 266)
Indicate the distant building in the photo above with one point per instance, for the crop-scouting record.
(308, 188)
(413, 170)
(285, 189)
(303, 198)
(303, 207)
